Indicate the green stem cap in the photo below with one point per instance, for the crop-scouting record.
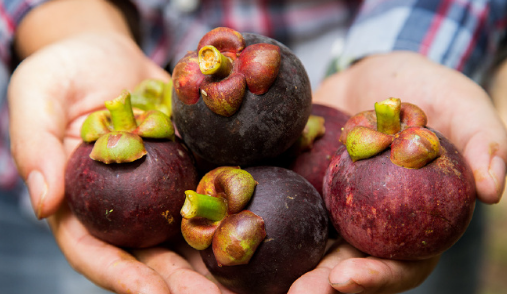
(118, 131)
(388, 116)
(313, 130)
(212, 62)
(122, 115)
(200, 205)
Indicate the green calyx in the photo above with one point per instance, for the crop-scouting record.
(313, 130)
(388, 116)
(363, 142)
(153, 94)
(199, 205)
(214, 215)
(118, 131)
(118, 147)
(400, 126)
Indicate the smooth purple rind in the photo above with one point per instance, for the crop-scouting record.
(393, 212)
(312, 164)
(264, 125)
(296, 227)
(133, 205)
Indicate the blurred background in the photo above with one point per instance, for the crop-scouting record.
(494, 274)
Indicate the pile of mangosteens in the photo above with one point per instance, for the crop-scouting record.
(252, 173)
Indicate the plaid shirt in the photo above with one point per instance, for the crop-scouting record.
(461, 34)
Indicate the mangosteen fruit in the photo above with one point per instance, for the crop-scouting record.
(398, 189)
(311, 154)
(240, 98)
(259, 229)
(126, 180)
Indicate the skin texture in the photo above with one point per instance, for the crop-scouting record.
(398, 213)
(498, 90)
(52, 91)
(135, 205)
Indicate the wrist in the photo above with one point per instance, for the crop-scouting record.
(60, 19)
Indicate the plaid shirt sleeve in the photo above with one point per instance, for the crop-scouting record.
(459, 34)
(11, 14)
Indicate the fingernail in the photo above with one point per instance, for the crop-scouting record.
(38, 190)
(497, 172)
(348, 287)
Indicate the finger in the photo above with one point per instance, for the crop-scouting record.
(379, 276)
(176, 271)
(317, 280)
(194, 258)
(485, 151)
(478, 132)
(37, 126)
(476, 129)
(107, 266)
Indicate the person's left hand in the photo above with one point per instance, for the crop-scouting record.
(458, 108)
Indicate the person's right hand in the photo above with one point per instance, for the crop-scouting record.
(50, 94)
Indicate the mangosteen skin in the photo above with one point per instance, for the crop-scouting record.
(133, 205)
(312, 164)
(393, 212)
(296, 226)
(264, 126)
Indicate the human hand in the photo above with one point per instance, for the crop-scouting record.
(50, 94)
(455, 106)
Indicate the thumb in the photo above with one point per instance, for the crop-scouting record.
(37, 127)
(44, 175)
(487, 155)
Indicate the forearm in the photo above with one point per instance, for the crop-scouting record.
(59, 19)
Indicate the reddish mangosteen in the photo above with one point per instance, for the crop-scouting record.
(258, 229)
(126, 181)
(240, 98)
(398, 189)
(311, 154)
